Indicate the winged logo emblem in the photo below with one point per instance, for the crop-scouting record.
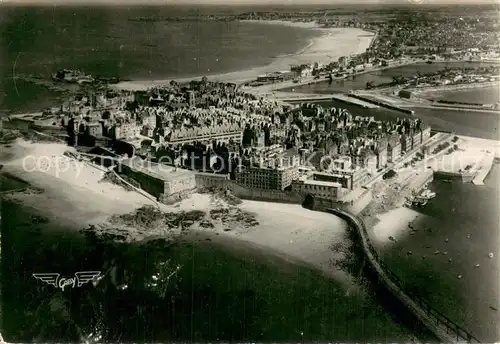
(81, 278)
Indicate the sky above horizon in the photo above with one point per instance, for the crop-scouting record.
(240, 2)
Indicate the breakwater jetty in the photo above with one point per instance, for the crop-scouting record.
(382, 104)
(305, 97)
(450, 102)
(443, 328)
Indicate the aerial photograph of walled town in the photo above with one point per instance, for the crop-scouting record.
(250, 171)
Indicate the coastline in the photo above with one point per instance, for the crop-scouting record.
(79, 197)
(327, 47)
(414, 244)
(432, 319)
(224, 265)
(293, 239)
(281, 237)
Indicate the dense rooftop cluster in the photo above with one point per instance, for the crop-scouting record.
(207, 119)
(430, 33)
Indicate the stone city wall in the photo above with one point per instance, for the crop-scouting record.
(265, 195)
(148, 183)
(210, 180)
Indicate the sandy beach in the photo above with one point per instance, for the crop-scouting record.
(74, 193)
(329, 46)
(283, 244)
(393, 224)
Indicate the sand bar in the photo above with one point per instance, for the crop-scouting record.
(393, 224)
(328, 47)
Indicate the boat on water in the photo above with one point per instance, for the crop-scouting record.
(427, 195)
(419, 202)
(415, 201)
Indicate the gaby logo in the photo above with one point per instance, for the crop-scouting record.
(81, 278)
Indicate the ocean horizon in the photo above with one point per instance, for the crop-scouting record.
(108, 42)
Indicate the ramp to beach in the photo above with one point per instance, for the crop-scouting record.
(484, 169)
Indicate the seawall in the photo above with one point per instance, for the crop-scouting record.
(140, 191)
(424, 90)
(444, 329)
(451, 102)
(353, 205)
(459, 108)
(214, 182)
(223, 183)
(264, 195)
(455, 176)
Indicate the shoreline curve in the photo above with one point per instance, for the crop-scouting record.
(328, 46)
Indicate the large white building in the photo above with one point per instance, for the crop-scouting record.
(274, 172)
(157, 179)
(268, 178)
(317, 188)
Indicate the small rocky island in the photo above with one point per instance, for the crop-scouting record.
(74, 76)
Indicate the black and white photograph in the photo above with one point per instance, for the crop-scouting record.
(250, 171)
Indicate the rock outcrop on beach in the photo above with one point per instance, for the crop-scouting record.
(149, 221)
